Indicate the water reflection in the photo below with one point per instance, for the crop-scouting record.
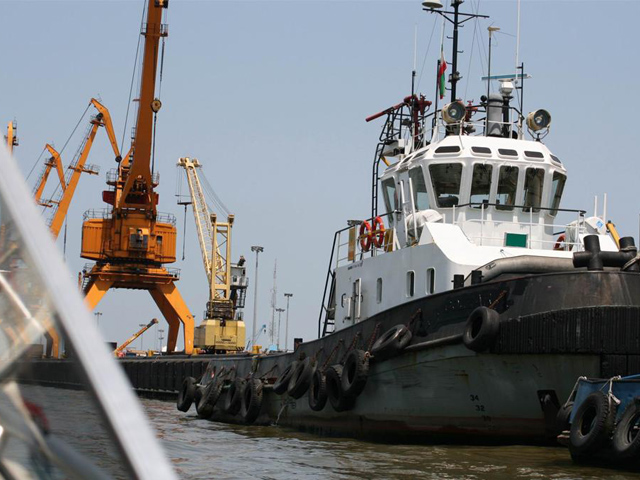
(202, 450)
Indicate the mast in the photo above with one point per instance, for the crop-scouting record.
(455, 76)
(434, 7)
(148, 107)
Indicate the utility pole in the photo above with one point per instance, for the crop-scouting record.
(258, 249)
(286, 328)
(279, 310)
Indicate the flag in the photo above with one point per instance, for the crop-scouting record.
(441, 70)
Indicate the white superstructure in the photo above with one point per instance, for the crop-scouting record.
(452, 206)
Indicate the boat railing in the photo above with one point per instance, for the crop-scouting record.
(533, 225)
(351, 245)
(353, 254)
(102, 213)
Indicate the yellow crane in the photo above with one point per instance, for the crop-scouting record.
(131, 242)
(221, 329)
(119, 349)
(10, 137)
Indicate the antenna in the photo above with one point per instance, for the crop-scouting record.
(273, 304)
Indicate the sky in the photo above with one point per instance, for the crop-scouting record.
(271, 97)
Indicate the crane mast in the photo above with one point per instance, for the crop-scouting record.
(220, 331)
(130, 242)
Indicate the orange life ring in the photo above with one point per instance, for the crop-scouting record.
(378, 232)
(365, 236)
(560, 245)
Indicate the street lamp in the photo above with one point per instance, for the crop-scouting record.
(98, 315)
(160, 338)
(286, 328)
(258, 250)
(279, 310)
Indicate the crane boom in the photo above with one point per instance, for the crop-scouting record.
(53, 161)
(139, 181)
(77, 167)
(135, 335)
(201, 213)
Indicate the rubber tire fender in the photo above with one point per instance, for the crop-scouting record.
(252, 400)
(355, 372)
(481, 329)
(592, 425)
(233, 399)
(187, 394)
(318, 391)
(626, 445)
(301, 378)
(339, 401)
(282, 382)
(203, 394)
(563, 416)
(392, 342)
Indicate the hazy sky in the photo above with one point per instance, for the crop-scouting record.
(271, 97)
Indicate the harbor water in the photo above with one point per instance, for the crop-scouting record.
(201, 449)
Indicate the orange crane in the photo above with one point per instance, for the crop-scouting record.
(119, 349)
(10, 137)
(68, 184)
(53, 161)
(131, 242)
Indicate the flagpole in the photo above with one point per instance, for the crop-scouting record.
(435, 115)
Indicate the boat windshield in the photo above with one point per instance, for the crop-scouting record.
(507, 186)
(446, 179)
(557, 187)
(481, 183)
(532, 194)
(419, 186)
(390, 196)
(47, 431)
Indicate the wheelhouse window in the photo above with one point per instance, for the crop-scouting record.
(446, 178)
(419, 186)
(390, 196)
(532, 194)
(507, 186)
(481, 184)
(557, 187)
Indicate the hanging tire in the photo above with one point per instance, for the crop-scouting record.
(233, 399)
(339, 401)
(282, 382)
(187, 394)
(252, 400)
(318, 391)
(592, 425)
(203, 394)
(563, 416)
(355, 372)
(626, 441)
(301, 378)
(391, 343)
(482, 329)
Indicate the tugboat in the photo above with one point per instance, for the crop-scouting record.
(465, 310)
